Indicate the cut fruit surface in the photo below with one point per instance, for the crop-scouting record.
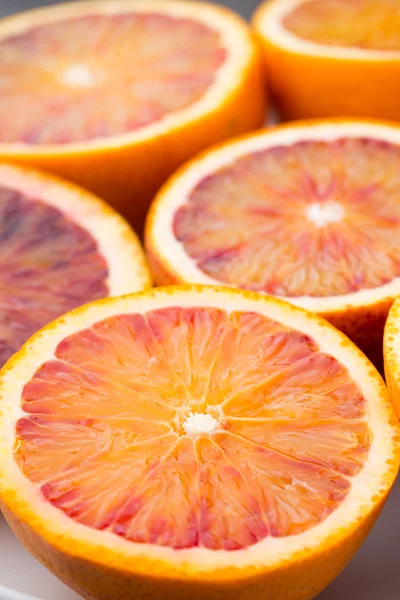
(60, 247)
(307, 212)
(193, 431)
(350, 52)
(71, 93)
(193, 63)
(364, 24)
(324, 206)
(161, 415)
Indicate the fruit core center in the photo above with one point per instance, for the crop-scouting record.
(198, 423)
(78, 75)
(322, 213)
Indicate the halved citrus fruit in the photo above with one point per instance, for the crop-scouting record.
(194, 442)
(115, 94)
(332, 57)
(391, 352)
(60, 247)
(308, 212)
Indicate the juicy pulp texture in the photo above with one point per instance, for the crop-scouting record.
(193, 427)
(48, 265)
(364, 24)
(102, 75)
(311, 219)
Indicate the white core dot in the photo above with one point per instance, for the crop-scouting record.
(78, 75)
(327, 212)
(197, 423)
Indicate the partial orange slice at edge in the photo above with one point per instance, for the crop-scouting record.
(391, 353)
(329, 58)
(194, 438)
(60, 247)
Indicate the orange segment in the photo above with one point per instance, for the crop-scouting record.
(73, 492)
(307, 212)
(266, 346)
(295, 495)
(169, 482)
(287, 395)
(329, 58)
(43, 395)
(230, 516)
(99, 86)
(194, 434)
(283, 435)
(58, 249)
(191, 339)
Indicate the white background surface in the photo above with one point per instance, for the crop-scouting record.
(19, 570)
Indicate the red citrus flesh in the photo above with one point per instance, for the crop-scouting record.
(364, 24)
(108, 438)
(314, 219)
(48, 265)
(153, 64)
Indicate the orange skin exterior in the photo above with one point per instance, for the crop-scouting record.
(392, 367)
(301, 578)
(127, 176)
(364, 325)
(320, 86)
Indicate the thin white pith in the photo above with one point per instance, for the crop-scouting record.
(320, 214)
(197, 423)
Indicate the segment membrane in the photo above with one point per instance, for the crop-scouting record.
(311, 219)
(153, 64)
(105, 435)
(48, 265)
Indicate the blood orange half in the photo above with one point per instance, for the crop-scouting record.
(193, 442)
(307, 212)
(332, 57)
(115, 94)
(60, 247)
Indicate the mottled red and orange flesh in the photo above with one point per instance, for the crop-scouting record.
(105, 432)
(363, 24)
(102, 75)
(311, 219)
(48, 265)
